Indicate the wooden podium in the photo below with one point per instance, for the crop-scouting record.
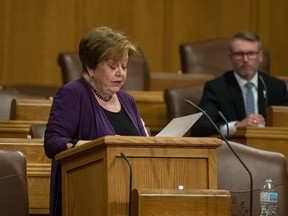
(95, 178)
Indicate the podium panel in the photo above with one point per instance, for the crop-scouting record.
(148, 202)
(95, 178)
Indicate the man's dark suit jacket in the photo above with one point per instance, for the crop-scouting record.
(224, 94)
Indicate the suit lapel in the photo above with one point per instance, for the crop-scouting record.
(261, 98)
(236, 95)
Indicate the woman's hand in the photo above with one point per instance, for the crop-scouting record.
(79, 143)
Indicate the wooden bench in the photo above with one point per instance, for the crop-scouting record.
(38, 171)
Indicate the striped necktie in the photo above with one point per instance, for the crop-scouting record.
(250, 105)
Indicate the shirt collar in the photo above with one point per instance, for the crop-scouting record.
(242, 81)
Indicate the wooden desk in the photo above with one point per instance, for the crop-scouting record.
(161, 81)
(16, 128)
(38, 171)
(14, 131)
(277, 116)
(268, 138)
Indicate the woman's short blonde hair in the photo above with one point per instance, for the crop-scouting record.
(102, 43)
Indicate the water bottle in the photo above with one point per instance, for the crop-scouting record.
(268, 199)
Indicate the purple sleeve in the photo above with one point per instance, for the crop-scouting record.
(62, 122)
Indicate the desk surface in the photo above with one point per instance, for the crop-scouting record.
(268, 138)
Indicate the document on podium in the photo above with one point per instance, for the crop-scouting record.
(177, 127)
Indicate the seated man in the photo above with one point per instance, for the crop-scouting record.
(242, 95)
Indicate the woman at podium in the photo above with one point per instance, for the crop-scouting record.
(94, 105)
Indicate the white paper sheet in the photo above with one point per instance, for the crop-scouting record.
(177, 127)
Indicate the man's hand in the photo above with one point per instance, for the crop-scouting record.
(252, 120)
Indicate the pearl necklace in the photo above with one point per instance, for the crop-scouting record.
(95, 91)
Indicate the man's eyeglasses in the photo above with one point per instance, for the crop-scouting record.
(240, 55)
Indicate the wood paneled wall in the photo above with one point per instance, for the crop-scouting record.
(33, 32)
